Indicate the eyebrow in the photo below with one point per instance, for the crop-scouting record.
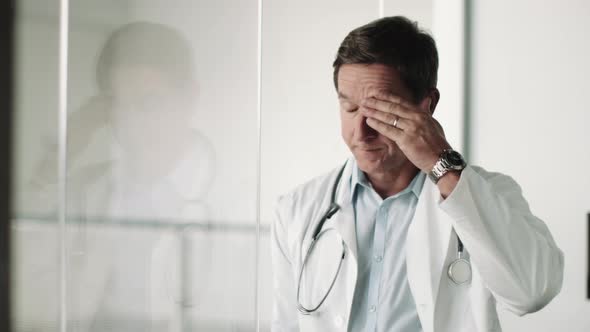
(342, 96)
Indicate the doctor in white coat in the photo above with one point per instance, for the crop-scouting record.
(402, 211)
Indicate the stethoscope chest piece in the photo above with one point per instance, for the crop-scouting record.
(460, 271)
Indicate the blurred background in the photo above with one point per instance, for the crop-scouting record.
(151, 139)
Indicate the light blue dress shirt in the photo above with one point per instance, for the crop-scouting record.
(382, 299)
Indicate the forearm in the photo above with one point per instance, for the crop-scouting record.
(511, 248)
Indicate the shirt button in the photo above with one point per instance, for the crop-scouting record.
(378, 258)
(338, 321)
(372, 308)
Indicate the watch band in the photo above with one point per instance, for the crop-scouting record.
(449, 160)
(440, 168)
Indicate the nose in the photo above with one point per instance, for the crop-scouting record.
(363, 130)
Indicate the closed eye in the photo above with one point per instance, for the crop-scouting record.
(346, 104)
(348, 107)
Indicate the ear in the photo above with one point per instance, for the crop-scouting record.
(434, 96)
(430, 101)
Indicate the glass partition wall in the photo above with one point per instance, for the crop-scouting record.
(151, 224)
(152, 140)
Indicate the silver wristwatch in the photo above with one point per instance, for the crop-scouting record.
(449, 160)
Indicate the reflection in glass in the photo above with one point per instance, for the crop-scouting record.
(137, 176)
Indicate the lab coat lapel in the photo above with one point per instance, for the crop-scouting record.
(427, 248)
(340, 303)
(343, 220)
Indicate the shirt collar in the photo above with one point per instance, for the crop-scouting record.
(358, 178)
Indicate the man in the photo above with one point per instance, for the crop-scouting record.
(407, 236)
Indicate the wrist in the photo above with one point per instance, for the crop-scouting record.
(435, 158)
(447, 183)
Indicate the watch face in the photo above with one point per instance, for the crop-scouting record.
(454, 159)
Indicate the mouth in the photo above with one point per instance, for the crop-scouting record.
(370, 149)
(370, 153)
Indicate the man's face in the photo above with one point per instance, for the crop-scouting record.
(373, 152)
(148, 113)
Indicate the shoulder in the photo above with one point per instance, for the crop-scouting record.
(297, 209)
(310, 190)
(305, 200)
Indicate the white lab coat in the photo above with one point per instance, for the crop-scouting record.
(515, 261)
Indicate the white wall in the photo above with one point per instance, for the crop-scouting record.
(530, 120)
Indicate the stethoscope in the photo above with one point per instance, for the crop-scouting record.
(459, 270)
(316, 235)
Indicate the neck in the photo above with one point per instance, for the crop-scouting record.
(392, 181)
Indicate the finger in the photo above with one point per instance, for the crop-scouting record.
(385, 129)
(388, 118)
(387, 107)
(424, 105)
(388, 96)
